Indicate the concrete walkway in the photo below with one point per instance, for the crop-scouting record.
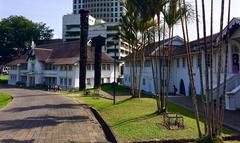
(231, 118)
(37, 116)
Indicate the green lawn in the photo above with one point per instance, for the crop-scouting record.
(134, 119)
(4, 99)
(3, 77)
(119, 88)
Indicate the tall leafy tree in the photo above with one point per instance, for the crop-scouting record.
(16, 35)
(172, 15)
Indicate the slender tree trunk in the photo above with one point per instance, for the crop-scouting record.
(226, 67)
(155, 71)
(142, 66)
(217, 132)
(200, 65)
(190, 72)
(212, 111)
(168, 66)
(206, 71)
(161, 73)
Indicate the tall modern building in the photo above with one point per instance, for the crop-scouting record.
(109, 30)
(108, 10)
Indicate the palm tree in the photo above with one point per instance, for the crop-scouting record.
(143, 25)
(172, 15)
(128, 33)
(157, 7)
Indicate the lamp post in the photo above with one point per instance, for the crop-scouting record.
(115, 40)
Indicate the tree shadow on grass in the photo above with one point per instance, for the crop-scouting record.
(136, 119)
(35, 122)
(125, 100)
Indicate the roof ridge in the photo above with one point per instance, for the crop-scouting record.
(44, 49)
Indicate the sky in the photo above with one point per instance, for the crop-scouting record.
(51, 12)
(47, 11)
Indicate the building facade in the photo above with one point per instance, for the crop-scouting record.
(108, 10)
(71, 32)
(57, 64)
(179, 70)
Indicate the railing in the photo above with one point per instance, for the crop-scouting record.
(232, 83)
(233, 92)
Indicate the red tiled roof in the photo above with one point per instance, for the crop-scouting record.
(42, 54)
(20, 60)
(60, 53)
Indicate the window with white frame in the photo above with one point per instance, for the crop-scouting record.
(61, 81)
(65, 81)
(108, 67)
(13, 77)
(70, 67)
(183, 62)
(13, 67)
(178, 63)
(88, 81)
(69, 81)
(88, 67)
(144, 81)
(103, 67)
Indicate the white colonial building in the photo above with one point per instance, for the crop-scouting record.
(179, 70)
(58, 64)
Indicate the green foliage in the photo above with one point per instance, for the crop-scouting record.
(4, 99)
(16, 35)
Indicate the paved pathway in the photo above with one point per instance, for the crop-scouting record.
(231, 118)
(37, 116)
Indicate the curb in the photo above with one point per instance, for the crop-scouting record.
(106, 129)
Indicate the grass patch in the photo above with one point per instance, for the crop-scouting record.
(4, 99)
(119, 88)
(3, 77)
(135, 119)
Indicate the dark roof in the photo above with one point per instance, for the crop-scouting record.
(42, 54)
(152, 49)
(52, 41)
(60, 53)
(20, 60)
